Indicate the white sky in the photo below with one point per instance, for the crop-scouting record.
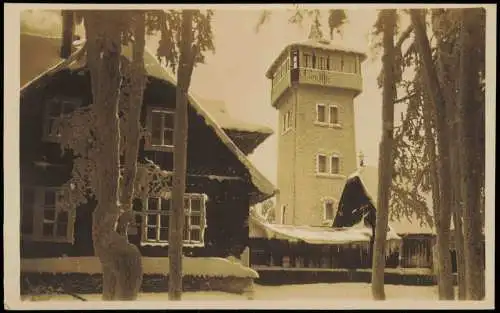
(235, 74)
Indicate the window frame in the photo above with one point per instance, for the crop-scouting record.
(287, 122)
(149, 142)
(39, 208)
(145, 212)
(325, 201)
(334, 156)
(283, 213)
(75, 102)
(330, 122)
(318, 156)
(318, 105)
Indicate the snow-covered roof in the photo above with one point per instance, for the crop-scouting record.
(315, 44)
(247, 136)
(191, 266)
(314, 235)
(155, 69)
(405, 225)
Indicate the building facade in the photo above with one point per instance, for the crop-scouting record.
(314, 84)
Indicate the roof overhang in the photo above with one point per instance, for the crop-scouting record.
(77, 60)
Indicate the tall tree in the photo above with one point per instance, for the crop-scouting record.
(185, 69)
(109, 128)
(444, 27)
(436, 95)
(388, 18)
(471, 175)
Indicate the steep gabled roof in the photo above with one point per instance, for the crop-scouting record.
(155, 69)
(364, 182)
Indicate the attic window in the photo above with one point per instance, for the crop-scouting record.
(57, 109)
(161, 129)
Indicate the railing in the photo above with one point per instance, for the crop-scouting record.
(280, 86)
(330, 78)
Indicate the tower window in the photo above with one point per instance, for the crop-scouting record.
(328, 209)
(287, 121)
(321, 113)
(328, 164)
(321, 63)
(322, 164)
(283, 213)
(335, 165)
(308, 60)
(334, 114)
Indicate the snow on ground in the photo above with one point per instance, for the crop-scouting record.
(325, 292)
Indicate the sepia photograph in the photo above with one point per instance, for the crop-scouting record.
(249, 156)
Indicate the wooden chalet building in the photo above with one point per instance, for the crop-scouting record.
(221, 182)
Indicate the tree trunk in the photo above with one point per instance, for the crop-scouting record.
(385, 159)
(118, 258)
(445, 278)
(448, 74)
(176, 231)
(68, 29)
(471, 194)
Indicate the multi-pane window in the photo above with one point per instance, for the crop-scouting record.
(57, 109)
(162, 128)
(322, 164)
(328, 164)
(287, 121)
(328, 209)
(321, 63)
(42, 215)
(308, 60)
(321, 113)
(327, 114)
(153, 215)
(336, 63)
(349, 64)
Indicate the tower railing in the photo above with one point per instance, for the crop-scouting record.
(330, 78)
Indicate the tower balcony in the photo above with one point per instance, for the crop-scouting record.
(317, 77)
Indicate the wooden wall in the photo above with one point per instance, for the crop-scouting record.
(228, 205)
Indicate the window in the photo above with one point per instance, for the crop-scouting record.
(43, 217)
(349, 64)
(162, 128)
(333, 114)
(283, 213)
(56, 109)
(328, 164)
(308, 60)
(321, 164)
(328, 209)
(327, 115)
(334, 165)
(321, 113)
(287, 121)
(153, 215)
(321, 63)
(336, 63)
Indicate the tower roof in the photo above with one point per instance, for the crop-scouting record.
(321, 44)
